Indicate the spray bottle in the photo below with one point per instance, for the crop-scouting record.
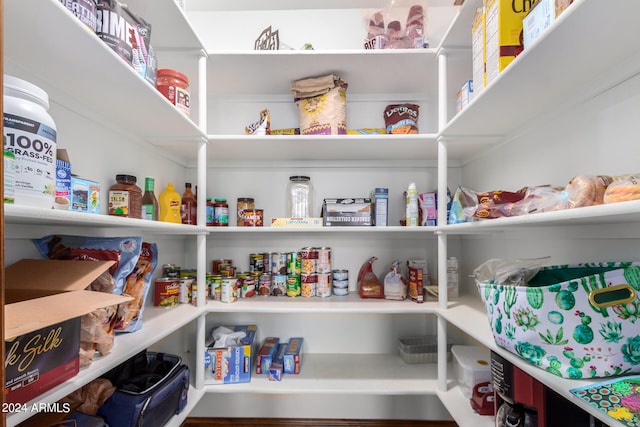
(412, 206)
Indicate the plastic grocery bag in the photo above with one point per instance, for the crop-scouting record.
(369, 286)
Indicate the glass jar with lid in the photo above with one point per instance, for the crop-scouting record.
(299, 197)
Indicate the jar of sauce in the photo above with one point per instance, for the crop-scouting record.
(175, 87)
(220, 212)
(244, 203)
(209, 212)
(125, 197)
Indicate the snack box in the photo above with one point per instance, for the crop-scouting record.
(478, 50)
(265, 355)
(292, 358)
(503, 35)
(539, 18)
(471, 366)
(349, 212)
(44, 302)
(428, 202)
(229, 365)
(296, 222)
(85, 195)
(63, 180)
(276, 370)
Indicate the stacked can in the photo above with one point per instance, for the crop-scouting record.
(294, 271)
(316, 271)
(340, 282)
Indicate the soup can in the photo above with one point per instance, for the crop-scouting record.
(217, 263)
(279, 285)
(293, 285)
(229, 289)
(279, 263)
(294, 263)
(166, 292)
(309, 259)
(264, 284)
(185, 290)
(323, 265)
(308, 284)
(323, 288)
(216, 287)
(256, 262)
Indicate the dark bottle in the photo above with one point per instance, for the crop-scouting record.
(188, 210)
(149, 201)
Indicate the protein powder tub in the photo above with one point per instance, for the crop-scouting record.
(175, 87)
(9, 166)
(125, 197)
(30, 134)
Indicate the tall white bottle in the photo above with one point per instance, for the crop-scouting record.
(412, 205)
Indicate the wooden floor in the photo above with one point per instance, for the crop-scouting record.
(299, 422)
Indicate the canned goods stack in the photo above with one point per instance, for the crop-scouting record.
(175, 286)
(340, 282)
(316, 271)
(307, 272)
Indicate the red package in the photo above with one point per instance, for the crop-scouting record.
(369, 286)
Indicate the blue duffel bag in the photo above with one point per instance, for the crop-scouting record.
(151, 388)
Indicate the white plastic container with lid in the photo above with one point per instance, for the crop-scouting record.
(471, 366)
(30, 134)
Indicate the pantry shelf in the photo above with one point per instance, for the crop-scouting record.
(460, 409)
(17, 214)
(351, 303)
(469, 315)
(360, 232)
(170, 27)
(269, 73)
(546, 61)
(622, 212)
(103, 83)
(323, 147)
(375, 374)
(157, 324)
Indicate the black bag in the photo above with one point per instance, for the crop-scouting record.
(151, 388)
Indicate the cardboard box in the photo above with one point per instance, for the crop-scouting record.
(350, 212)
(44, 302)
(229, 365)
(464, 96)
(428, 204)
(296, 222)
(265, 355)
(85, 195)
(292, 356)
(503, 21)
(63, 180)
(478, 50)
(276, 371)
(539, 18)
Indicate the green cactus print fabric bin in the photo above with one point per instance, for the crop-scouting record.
(574, 321)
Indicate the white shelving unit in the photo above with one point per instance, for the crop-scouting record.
(104, 108)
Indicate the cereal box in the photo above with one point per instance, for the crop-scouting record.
(478, 55)
(503, 21)
(539, 18)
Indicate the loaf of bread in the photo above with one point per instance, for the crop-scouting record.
(622, 191)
